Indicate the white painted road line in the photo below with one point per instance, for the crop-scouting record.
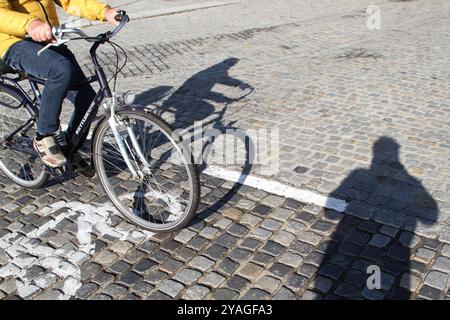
(277, 188)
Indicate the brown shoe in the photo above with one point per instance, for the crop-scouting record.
(50, 152)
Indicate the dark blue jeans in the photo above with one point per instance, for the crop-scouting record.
(61, 70)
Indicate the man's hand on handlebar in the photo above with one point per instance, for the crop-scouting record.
(40, 31)
(111, 14)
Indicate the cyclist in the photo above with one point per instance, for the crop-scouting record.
(58, 65)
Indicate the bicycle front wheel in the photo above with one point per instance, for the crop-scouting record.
(164, 195)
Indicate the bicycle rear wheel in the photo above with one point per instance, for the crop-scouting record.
(166, 195)
(17, 158)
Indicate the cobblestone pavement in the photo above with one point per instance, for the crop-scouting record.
(362, 117)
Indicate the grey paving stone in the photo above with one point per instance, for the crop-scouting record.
(237, 283)
(268, 283)
(331, 271)
(311, 295)
(215, 252)
(291, 259)
(227, 266)
(245, 204)
(238, 230)
(224, 294)
(280, 269)
(271, 224)
(142, 288)
(155, 277)
(273, 201)
(201, 263)
(284, 238)
(273, 248)
(212, 279)
(372, 294)
(86, 290)
(187, 276)
(437, 280)
(250, 271)
(424, 255)
(256, 294)
(301, 248)
(284, 294)
(144, 265)
(429, 293)
(305, 217)
(446, 250)
(226, 240)
(250, 220)
(240, 255)
(198, 243)
(310, 237)
(410, 282)
(260, 234)
(282, 214)
(196, 292)
(114, 290)
(346, 290)
(262, 210)
(445, 235)
(442, 264)
(130, 278)
(184, 236)
(295, 282)
(432, 244)
(294, 227)
(118, 267)
(158, 295)
(398, 252)
(356, 278)
(322, 227)
(170, 287)
(185, 254)
(315, 258)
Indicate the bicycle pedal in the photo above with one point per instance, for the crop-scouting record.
(61, 173)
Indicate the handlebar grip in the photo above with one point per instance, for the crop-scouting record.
(120, 15)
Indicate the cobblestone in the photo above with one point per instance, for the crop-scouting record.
(437, 280)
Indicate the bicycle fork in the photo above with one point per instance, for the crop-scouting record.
(114, 122)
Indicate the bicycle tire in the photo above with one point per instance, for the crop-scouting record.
(43, 176)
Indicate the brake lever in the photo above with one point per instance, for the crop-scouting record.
(53, 44)
(59, 41)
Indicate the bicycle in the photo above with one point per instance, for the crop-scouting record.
(144, 169)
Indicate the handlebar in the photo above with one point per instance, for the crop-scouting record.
(61, 34)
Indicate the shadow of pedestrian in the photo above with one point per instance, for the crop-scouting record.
(386, 207)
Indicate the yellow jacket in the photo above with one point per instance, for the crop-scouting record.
(16, 15)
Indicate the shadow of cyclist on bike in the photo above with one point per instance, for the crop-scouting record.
(206, 97)
(400, 206)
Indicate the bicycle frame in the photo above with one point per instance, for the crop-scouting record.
(76, 140)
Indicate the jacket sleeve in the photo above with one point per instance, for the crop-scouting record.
(12, 22)
(89, 9)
